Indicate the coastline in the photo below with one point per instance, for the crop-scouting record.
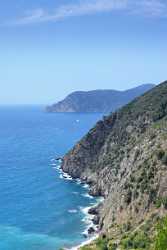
(89, 237)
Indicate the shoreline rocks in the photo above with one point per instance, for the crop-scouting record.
(59, 159)
(91, 230)
(96, 220)
(94, 211)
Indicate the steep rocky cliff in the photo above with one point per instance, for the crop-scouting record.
(124, 158)
(98, 100)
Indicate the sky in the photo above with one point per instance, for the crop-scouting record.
(49, 48)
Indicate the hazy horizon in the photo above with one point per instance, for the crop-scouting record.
(63, 97)
(52, 48)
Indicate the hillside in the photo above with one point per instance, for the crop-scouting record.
(124, 158)
(98, 100)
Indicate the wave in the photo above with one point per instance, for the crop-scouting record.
(78, 181)
(76, 193)
(53, 164)
(87, 196)
(57, 167)
(100, 199)
(61, 176)
(85, 210)
(64, 176)
(67, 176)
(86, 186)
(87, 220)
(54, 167)
(72, 211)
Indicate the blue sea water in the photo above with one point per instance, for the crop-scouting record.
(38, 209)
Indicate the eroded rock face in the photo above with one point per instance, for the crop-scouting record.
(124, 158)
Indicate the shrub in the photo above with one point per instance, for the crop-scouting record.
(127, 243)
(151, 173)
(160, 154)
(152, 195)
(158, 203)
(164, 201)
(128, 197)
(86, 248)
(101, 244)
(127, 226)
(161, 201)
(132, 178)
(136, 194)
(164, 159)
(144, 186)
(138, 240)
(112, 246)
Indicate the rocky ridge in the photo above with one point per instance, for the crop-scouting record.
(103, 101)
(124, 159)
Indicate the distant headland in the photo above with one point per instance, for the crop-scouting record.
(104, 101)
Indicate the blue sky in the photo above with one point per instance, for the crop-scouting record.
(50, 48)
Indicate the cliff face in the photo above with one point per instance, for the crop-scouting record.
(98, 100)
(124, 158)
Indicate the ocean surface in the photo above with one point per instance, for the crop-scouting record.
(39, 209)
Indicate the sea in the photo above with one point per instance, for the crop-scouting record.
(39, 208)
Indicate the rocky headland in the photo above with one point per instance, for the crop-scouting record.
(104, 101)
(124, 159)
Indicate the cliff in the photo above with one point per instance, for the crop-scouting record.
(98, 100)
(124, 158)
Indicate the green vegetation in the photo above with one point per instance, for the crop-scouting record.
(161, 238)
(152, 235)
(162, 156)
(101, 243)
(161, 201)
(86, 248)
(138, 240)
